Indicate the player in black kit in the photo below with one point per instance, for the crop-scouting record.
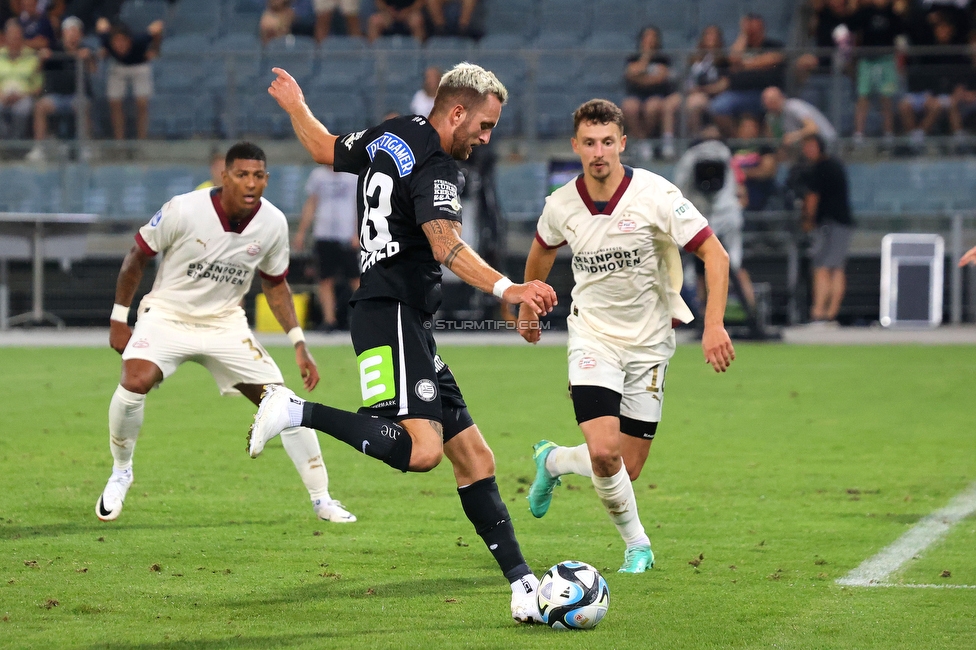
(413, 412)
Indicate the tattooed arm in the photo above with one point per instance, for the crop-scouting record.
(452, 252)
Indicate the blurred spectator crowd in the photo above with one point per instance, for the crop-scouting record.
(755, 70)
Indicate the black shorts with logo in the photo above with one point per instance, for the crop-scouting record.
(400, 372)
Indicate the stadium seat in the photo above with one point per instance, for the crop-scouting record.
(402, 70)
(566, 17)
(614, 41)
(554, 113)
(197, 17)
(259, 114)
(343, 73)
(192, 44)
(299, 63)
(396, 44)
(514, 17)
(619, 17)
(343, 44)
(495, 43)
(723, 13)
(341, 112)
(521, 190)
(237, 43)
(556, 72)
(287, 192)
(552, 40)
(172, 114)
(137, 14)
(163, 183)
(176, 73)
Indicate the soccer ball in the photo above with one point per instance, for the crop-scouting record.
(573, 596)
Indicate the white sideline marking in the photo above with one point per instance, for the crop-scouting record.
(874, 571)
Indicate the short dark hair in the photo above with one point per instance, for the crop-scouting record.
(821, 143)
(120, 29)
(601, 111)
(245, 151)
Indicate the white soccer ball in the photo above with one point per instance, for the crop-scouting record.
(573, 596)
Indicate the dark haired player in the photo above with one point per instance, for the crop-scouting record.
(212, 243)
(413, 412)
(624, 227)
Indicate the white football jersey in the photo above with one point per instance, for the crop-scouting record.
(207, 267)
(626, 263)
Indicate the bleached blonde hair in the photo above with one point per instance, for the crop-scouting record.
(468, 84)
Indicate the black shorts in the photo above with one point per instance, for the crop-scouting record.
(400, 372)
(336, 258)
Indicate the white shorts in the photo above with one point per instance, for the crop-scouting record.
(231, 353)
(636, 373)
(348, 7)
(120, 77)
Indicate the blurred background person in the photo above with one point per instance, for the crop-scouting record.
(875, 24)
(325, 9)
(793, 119)
(20, 82)
(651, 102)
(217, 166)
(423, 99)
(758, 164)
(827, 217)
(756, 62)
(705, 176)
(397, 17)
(277, 20)
(331, 207)
(39, 33)
(61, 97)
(443, 24)
(129, 69)
(707, 76)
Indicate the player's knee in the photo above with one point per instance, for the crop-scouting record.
(140, 384)
(425, 458)
(605, 460)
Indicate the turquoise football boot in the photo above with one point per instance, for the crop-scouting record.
(540, 492)
(637, 559)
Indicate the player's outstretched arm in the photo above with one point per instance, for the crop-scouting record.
(537, 267)
(969, 257)
(282, 306)
(716, 343)
(311, 133)
(130, 275)
(452, 252)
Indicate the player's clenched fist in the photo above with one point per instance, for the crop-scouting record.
(718, 349)
(119, 334)
(286, 91)
(535, 294)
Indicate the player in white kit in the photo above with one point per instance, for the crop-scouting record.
(624, 227)
(212, 243)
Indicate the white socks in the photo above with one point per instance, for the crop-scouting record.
(295, 411)
(617, 494)
(125, 413)
(569, 460)
(302, 446)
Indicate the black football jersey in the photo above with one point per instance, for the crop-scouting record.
(405, 179)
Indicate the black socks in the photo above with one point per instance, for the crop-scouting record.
(378, 437)
(484, 507)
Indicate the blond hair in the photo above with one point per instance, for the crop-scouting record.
(468, 84)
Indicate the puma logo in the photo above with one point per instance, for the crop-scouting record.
(570, 229)
(203, 243)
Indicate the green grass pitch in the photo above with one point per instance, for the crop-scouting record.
(765, 485)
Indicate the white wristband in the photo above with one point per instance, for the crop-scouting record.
(501, 286)
(296, 335)
(120, 313)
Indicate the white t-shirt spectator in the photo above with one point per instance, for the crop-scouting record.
(336, 213)
(421, 104)
(795, 111)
